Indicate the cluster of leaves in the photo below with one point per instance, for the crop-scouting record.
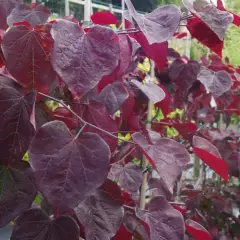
(74, 155)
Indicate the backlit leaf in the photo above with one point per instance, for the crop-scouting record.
(35, 224)
(205, 35)
(210, 155)
(217, 20)
(35, 14)
(164, 221)
(159, 25)
(216, 82)
(27, 53)
(16, 130)
(17, 191)
(101, 214)
(82, 58)
(104, 18)
(67, 170)
(167, 156)
(197, 230)
(153, 91)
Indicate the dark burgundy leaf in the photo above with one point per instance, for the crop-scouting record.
(96, 114)
(152, 90)
(236, 18)
(129, 176)
(17, 191)
(172, 54)
(184, 73)
(101, 213)
(216, 82)
(209, 154)
(199, 30)
(6, 7)
(104, 18)
(197, 231)
(82, 58)
(167, 156)
(16, 130)
(67, 170)
(159, 25)
(113, 96)
(164, 221)
(159, 188)
(35, 14)
(217, 20)
(2, 59)
(164, 105)
(135, 225)
(35, 224)
(128, 105)
(186, 129)
(28, 61)
(42, 114)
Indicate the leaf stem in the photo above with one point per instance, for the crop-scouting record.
(80, 131)
(79, 118)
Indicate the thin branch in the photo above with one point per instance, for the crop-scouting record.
(177, 203)
(79, 118)
(80, 131)
(126, 155)
(128, 207)
(129, 32)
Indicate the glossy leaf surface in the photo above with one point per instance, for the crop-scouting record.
(42, 227)
(67, 170)
(167, 156)
(82, 58)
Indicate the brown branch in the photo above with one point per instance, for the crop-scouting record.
(79, 118)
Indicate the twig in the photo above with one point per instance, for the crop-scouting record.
(80, 131)
(79, 118)
(128, 207)
(129, 32)
(126, 155)
(177, 203)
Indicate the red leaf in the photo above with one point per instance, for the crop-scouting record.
(82, 60)
(104, 18)
(100, 214)
(181, 35)
(236, 18)
(167, 156)
(205, 35)
(197, 230)
(186, 129)
(157, 51)
(43, 227)
(164, 105)
(123, 233)
(28, 61)
(67, 170)
(209, 154)
(35, 14)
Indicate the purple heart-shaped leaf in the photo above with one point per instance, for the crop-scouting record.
(82, 58)
(67, 170)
